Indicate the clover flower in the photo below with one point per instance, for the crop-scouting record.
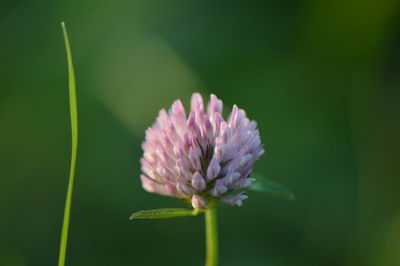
(202, 158)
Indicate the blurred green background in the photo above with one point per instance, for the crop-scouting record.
(321, 78)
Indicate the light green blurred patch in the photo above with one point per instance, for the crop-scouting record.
(387, 244)
(139, 75)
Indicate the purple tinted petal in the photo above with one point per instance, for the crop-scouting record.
(198, 181)
(236, 199)
(197, 102)
(213, 169)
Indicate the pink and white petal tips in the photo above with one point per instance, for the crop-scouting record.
(198, 202)
(214, 106)
(200, 157)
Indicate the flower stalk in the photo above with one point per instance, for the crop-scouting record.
(211, 236)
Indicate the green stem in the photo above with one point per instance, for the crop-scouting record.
(74, 130)
(211, 237)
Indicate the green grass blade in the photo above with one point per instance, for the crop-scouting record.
(74, 130)
(164, 213)
(263, 184)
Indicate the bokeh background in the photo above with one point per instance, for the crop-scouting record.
(320, 77)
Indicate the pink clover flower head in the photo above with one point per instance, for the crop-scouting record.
(200, 158)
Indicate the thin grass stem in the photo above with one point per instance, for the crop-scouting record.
(74, 131)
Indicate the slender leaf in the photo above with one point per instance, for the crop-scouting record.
(263, 184)
(164, 213)
(74, 130)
